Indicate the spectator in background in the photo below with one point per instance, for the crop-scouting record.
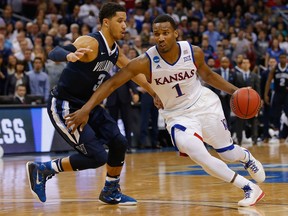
(4, 50)
(28, 59)
(240, 45)
(11, 66)
(89, 13)
(283, 43)
(213, 35)
(19, 77)
(238, 62)
(154, 10)
(61, 38)
(74, 29)
(119, 102)
(39, 80)
(3, 75)
(73, 17)
(85, 29)
(20, 94)
(54, 70)
(273, 51)
(131, 27)
(261, 47)
(246, 78)
(228, 75)
(170, 11)
(207, 48)
(138, 44)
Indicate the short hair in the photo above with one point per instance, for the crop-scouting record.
(21, 62)
(165, 18)
(108, 10)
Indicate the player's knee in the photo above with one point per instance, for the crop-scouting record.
(81, 162)
(117, 149)
(229, 156)
(118, 144)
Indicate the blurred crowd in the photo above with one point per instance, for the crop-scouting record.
(237, 36)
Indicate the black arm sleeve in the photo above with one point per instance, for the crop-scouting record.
(59, 53)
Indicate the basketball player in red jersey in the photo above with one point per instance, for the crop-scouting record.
(193, 113)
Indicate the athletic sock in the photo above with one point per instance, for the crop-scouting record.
(111, 178)
(57, 165)
(240, 181)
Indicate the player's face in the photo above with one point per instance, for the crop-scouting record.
(165, 36)
(282, 59)
(117, 25)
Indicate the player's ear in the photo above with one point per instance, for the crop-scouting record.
(176, 34)
(106, 22)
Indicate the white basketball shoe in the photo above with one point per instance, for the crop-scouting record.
(252, 194)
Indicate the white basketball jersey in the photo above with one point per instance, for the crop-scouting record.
(177, 85)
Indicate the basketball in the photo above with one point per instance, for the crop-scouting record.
(245, 103)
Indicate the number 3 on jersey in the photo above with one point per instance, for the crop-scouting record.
(179, 92)
(99, 82)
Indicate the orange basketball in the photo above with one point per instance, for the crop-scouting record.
(245, 103)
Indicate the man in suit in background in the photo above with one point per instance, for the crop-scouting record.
(120, 107)
(246, 78)
(20, 94)
(228, 75)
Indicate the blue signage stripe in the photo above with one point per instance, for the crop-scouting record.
(36, 114)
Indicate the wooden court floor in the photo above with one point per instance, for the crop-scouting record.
(162, 182)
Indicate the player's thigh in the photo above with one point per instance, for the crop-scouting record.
(215, 130)
(104, 126)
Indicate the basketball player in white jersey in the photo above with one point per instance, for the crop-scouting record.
(193, 113)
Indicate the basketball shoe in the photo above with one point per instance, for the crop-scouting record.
(254, 168)
(111, 194)
(252, 194)
(38, 174)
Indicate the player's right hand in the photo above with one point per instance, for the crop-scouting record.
(77, 119)
(78, 54)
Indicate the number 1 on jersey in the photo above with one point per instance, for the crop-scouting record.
(179, 92)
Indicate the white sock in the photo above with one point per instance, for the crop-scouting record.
(240, 181)
(56, 165)
(111, 179)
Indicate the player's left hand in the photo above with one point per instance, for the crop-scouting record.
(157, 102)
(76, 119)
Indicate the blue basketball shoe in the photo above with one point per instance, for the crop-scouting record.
(38, 174)
(111, 194)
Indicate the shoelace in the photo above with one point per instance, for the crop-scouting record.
(251, 165)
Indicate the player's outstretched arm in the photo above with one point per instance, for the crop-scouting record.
(209, 76)
(81, 48)
(140, 79)
(81, 116)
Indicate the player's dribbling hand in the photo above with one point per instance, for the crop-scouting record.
(157, 102)
(76, 119)
(78, 54)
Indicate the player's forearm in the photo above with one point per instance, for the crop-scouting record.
(98, 96)
(104, 90)
(141, 81)
(59, 53)
(218, 82)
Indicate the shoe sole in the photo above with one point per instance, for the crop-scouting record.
(120, 204)
(262, 195)
(29, 180)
